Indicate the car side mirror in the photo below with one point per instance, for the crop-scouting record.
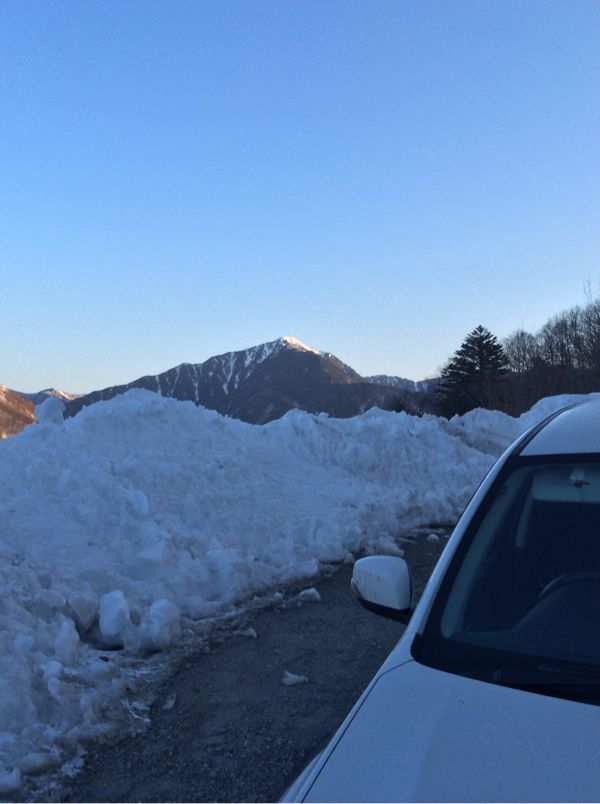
(383, 584)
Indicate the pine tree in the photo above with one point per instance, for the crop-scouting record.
(472, 373)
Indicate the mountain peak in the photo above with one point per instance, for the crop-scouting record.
(41, 396)
(294, 343)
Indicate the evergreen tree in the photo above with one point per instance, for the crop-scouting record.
(472, 373)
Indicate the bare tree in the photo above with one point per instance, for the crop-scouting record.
(521, 349)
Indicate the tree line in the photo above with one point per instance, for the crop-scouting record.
(562, 357)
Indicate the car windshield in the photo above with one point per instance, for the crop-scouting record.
(520, 603)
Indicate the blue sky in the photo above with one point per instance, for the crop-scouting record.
(181, 179)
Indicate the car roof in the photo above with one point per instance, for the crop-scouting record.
(573, 430)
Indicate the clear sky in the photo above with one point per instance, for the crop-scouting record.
(181, 179)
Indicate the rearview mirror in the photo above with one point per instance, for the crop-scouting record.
(383, 584)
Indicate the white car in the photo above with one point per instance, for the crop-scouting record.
(492, 693)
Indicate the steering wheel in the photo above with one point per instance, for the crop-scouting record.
(577, 576)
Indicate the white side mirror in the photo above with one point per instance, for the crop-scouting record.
(383, 584)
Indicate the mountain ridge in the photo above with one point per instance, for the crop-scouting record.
(40, 396)
(16, 412)
(262, 383)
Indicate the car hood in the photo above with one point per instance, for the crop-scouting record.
(424, 735)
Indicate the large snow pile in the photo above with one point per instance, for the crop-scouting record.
(142, 513)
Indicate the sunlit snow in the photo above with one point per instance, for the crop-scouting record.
(296, 344)
(124, 526)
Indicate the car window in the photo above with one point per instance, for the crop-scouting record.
(520, 603)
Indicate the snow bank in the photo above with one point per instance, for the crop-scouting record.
(140, 512)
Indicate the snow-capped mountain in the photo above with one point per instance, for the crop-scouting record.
(262, 383)
(15, 412)
(41, 396)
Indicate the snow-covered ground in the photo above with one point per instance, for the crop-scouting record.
(122, 527)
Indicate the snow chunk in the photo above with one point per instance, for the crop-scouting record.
(248, 632)
(84, 609)
(307, 595)
(66, 644)
(291, 679)
(52, 599)
(114, 618)
(10, 781)
(50, 413)
(432, 538)
(163, 626)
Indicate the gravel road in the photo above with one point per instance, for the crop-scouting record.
(224, 727)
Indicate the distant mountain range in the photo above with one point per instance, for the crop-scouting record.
(41, 396)
(262, 383)
(15, 412)
(17, 409)
(416, 386)
(256, 385)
